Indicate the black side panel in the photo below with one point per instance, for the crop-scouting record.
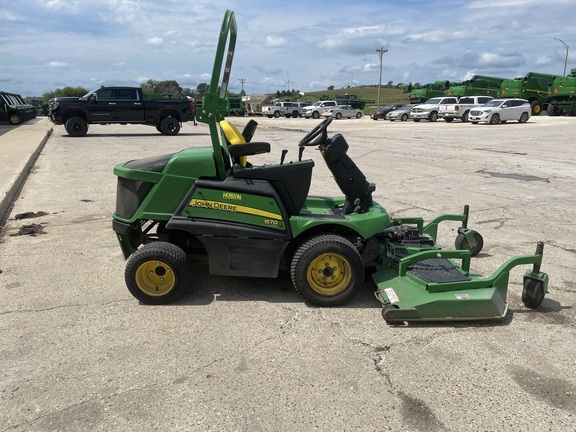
(203, 227)
(243, 257)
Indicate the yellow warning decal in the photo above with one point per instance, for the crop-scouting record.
(233, 208)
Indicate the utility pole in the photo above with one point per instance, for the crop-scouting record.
(242, 81)
(380, 52)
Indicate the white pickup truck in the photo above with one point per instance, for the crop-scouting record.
(461, 109)
(276, 110)
(429, 110)
(285, 109)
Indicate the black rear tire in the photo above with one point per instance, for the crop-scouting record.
(327, 270)
(553, 110)
(76, 126)
(170, 126)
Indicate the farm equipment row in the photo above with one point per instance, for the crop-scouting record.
(14, 110)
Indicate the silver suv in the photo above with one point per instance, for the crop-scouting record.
(501, 110)
(317, 108)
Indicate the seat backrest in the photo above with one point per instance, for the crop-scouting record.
(233, 136)
(350, 179)
(291, 181)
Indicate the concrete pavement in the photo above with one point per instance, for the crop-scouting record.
(19, 148)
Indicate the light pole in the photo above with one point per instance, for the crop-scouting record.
(567, 48)
(380, 52)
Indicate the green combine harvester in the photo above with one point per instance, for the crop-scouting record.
(478, 85)
(562, 97)
(533, 87)
(212, 205)
(419, 95)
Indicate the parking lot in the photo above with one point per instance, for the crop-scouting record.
(245, 354)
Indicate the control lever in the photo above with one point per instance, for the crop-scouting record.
(283, 156)
(300, 151)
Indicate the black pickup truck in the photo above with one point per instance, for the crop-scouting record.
(119, 105)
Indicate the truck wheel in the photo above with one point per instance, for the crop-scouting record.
(327, 270)
(315, 115)
(448, 119)
(15, 119)
(536, 108)
(276, 114)
(170, 126)
(294, 114)
(462, 244)
(433, 116)
(465, 116)
(76, 126)
(157, 273)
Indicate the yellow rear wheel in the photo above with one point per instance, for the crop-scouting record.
(327, 270)
(329, 274)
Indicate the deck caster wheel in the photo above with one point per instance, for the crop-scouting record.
(157, 273)
(385, 309)
(533, 293)
(462, 244)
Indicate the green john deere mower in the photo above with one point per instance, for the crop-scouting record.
(212, 205)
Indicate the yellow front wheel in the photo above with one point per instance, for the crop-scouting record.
(157, 273)
(327, 270)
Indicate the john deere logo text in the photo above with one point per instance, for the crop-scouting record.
(231, 196)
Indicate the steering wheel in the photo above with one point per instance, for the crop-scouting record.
(317, 135)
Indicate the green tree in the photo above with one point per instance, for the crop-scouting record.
(169, 87)
(202, 89)
(65, 92)
(330, 87)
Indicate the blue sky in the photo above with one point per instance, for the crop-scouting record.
(305, 45)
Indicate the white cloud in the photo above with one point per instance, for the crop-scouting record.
(154, 41)
(57, 64)
(275, 42)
